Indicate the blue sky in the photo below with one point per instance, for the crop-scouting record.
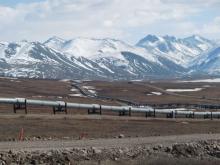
(16, 2)
(127, 20)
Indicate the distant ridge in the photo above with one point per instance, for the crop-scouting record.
(153, 57)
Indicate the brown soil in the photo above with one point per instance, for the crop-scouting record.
(42, 123)
(99, 126)
(133, 91)
(138, 91)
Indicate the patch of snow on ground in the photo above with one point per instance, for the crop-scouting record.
(74, 90)
(206, 86)
(65, 80)
(154, 93)
(88, 87)
(15, 81)
(138, 80)
(38, 96)
(92, 91)
(184, 90)
(76, 95)
(216, 80)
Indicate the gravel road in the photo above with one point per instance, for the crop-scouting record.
(105, 143)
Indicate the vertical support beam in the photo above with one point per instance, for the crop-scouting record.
(171, 114)
(65, 108)
(123, 113)
(206, 116)
(100, 110)
(146, 114)
(14, 108)
(60, 108)
(174, 114)
(20, 106)
(129, 111)
(54, 110)
(25, 106)
(95, 111)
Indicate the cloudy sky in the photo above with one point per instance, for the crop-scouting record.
(128, 20)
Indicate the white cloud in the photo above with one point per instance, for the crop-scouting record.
(7, 14)
(211, 29)
(100, 18)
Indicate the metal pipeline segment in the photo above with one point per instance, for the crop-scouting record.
(42, 103)
(8, 100)
(166, 111)
(215, 113)
(202, 113)
(115, 108)
(83, 106)
(146, 109)
(103, 107)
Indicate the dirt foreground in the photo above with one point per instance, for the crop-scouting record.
(184, 149)
(39, 127)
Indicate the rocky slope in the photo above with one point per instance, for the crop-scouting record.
(209, 63)
(203, 152)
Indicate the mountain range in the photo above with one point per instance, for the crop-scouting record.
(153, 57)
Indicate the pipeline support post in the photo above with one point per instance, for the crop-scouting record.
(191, 115)
(60, 108)
(124, 113)
(150, 114)
(206, 116)
(21, 104)
(171, 115)
(95, 110)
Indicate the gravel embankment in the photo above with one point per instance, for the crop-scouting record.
(132, 150)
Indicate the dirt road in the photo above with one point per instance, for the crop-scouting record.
(105, 143)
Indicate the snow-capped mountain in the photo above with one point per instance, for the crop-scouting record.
(90, 58)
(95, 48)
(114, 56)
(208, 63)
(180, 51)
(30, 59)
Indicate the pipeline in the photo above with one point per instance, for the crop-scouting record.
(148, 110)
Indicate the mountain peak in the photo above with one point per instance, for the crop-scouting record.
(169, 38)
(196, 38)
(55, 42)
(95, 39)
(151, 38)
(54, 39)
